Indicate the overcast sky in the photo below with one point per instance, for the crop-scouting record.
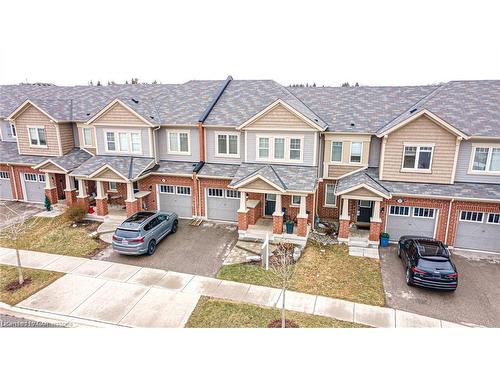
(370, 42)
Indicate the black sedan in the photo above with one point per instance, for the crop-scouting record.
(427, 263)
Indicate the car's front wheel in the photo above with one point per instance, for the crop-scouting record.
(174, 226)
(151, 247)
(409, 277)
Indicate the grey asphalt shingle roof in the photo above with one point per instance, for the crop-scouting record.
(462, 190)
(71, 160)
(219, 170)
(173, 167)
(128, 166)
(359, 178)
(10, 155)
(470, 106)
(288, 177)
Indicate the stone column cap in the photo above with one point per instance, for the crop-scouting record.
(302, 216)
(372, 220)
(240, 211)
(278, 214)
(344, 218)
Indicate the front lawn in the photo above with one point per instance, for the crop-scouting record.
(331, 273)
(58, 236)
(34, 281)
(215, 313)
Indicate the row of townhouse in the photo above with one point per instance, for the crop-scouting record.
(405, 160)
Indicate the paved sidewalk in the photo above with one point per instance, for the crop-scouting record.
(145, 297)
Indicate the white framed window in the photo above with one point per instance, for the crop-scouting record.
(228, 145)
(233, 194)
(30, 177)
(112, 186)
(13, 131)
(356, 152)
(37, 137)
(417, 157)
(365, 204)
(485, 160)
(399, 210)
(423, 212)
(215, 193)
(296, 200)
(87, 137)
(471, 216)
(123, 142)
(4, 175)
(41, 177)
(493, 218)
(336, 155)
(279, 148)
(167, 189)
(178, 142)
(183, 190)
(330, 198)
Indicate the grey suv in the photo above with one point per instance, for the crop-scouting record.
(141, 232)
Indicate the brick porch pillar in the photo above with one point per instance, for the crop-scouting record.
(344, 221)
(84, 202)
(243, 212)
(302, 225)
(101, 201)
(70, 197)
(277, 223)
(51, 194)
(82, 198)
(375, 223)
(132, 207)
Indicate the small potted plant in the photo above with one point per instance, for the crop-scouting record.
(289, 225)
(384, 239)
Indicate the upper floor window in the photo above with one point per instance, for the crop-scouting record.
(337, 152)
(417, 157)
(178, 142)
(37, 137)
(13, 132)
(87, 136)
(228, 145)
(356, 151)
(279, 148)
(123, 142)
(486, 159)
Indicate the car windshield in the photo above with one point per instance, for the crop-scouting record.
(441, 264)
(125, 233)
(432, 248)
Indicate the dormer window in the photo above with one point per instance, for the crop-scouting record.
(37, 137)
(417, 158)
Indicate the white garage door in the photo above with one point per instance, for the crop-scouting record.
(478, 231)
(34, 187)
(5, 186)
(222, 204)
(405, 220)
(177, 199)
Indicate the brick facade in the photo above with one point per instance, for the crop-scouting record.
(277, 224)
(101, 206)
(344, 229)
(52, 195)
(302, 226)
(375, 230)
(70, 197)
(243, 220)
(327, 211)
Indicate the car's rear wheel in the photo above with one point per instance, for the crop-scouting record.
(174, 226)
(151, 247)
(409, 277)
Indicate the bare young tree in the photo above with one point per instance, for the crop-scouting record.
(282, 269)
(17, 225)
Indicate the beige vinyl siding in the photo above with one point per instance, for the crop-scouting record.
(363, 192)
(336, 170)
(259, 184)
(66, 135)
(119, 115)
(108, 173)
(31, 116)
(420, 131)
(279, 117)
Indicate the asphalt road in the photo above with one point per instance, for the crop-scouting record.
(476, 302)
(195, 250)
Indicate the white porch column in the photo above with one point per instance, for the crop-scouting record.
(130, 192)
(100, 190)
(48, 180)
(82, 189)
(243, 202)
(345, 209)
(302, 210)
(70, 183)
(376, 212)
(277, 207)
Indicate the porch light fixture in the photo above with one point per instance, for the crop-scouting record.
(399, 200)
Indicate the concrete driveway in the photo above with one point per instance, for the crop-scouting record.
(25, 210)
(475, 302)
(195, 250)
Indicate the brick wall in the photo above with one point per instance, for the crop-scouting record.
(293, 211)
(327, 212)
(458, 206)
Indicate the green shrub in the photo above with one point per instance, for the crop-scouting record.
(384, 235)
(75, 213)
(47, 203)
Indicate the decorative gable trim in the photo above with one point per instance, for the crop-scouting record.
(109, 167)
(436, 119)
(19, 110)
(257, 177)
(110, 105)
(289, 108)
(47, 164)
(367, 187)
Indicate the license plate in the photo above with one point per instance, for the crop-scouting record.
(124, 242)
